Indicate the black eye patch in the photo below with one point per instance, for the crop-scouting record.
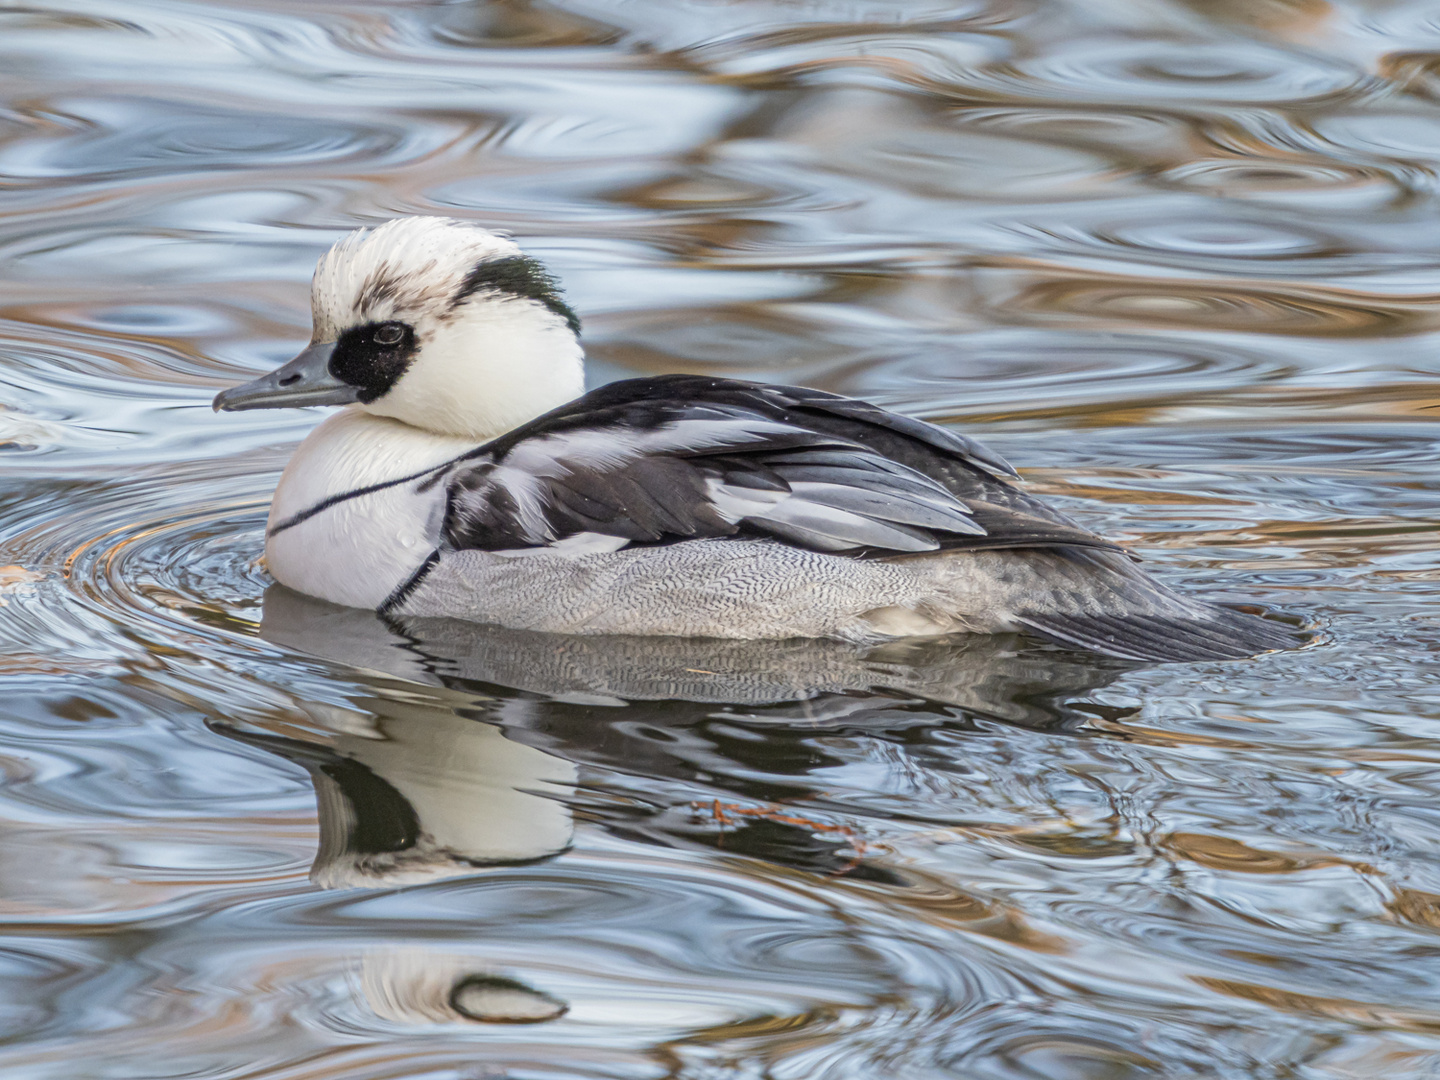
(371, 357)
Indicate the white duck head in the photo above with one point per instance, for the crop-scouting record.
(436, 323)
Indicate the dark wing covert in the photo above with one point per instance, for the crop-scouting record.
(684, 457)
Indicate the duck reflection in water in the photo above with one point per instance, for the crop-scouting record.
(474, 758)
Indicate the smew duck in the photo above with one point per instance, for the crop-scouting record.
(470, 475)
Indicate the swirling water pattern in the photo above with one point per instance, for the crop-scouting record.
(1177, 260)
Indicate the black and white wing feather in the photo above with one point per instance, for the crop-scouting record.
(682, 457)
(701, 471)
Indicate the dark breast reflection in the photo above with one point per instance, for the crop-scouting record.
(480, 746)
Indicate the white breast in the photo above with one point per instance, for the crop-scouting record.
(357, 551)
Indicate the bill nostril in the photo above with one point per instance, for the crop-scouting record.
(290, 380)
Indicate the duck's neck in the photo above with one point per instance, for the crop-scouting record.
(353, 449)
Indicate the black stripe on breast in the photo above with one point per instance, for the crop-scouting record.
(334, 500)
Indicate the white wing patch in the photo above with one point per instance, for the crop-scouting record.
(527, 490)
(585, 543)
(610, 448)
(833, 517)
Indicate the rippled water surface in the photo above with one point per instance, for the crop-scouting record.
(1179, 260)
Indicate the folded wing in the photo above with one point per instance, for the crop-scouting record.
(659, 460)
(705, 471)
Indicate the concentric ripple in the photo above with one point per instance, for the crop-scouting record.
(134, 559)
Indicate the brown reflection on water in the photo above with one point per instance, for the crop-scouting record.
(1412, 1020)
(1224, 853)
(1308, 312)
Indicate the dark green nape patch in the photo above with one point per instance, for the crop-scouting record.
(520, 276)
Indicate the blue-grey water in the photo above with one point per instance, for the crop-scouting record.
(1179, 260)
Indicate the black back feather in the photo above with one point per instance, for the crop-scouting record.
(920, 486)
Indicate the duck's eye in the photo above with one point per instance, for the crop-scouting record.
(372, 357)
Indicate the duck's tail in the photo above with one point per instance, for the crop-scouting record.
(1100, 600)
(1103, 601)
